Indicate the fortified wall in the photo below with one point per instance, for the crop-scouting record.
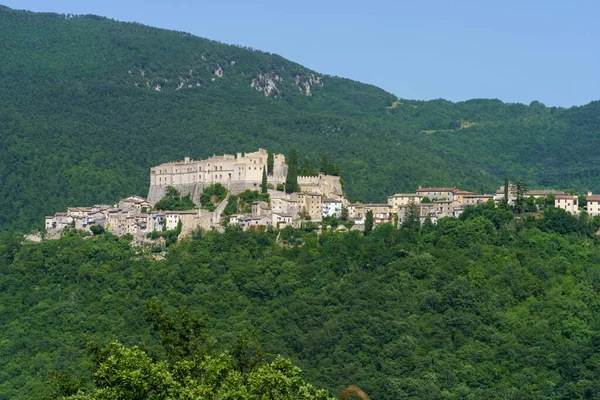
(325, 185)
(236, 172)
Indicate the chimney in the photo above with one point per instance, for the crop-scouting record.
(186, 159)
(589, 193)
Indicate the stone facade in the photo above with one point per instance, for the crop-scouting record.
(324, 185)
(568, 202)
(237, 173)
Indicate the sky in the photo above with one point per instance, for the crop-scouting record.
(512, 50)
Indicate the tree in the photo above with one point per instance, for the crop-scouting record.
(307, 167)
(263, 185)
(291, 180)
(191, 369)
(520, 198)
(412, 217)
(97, 229)
(270, 162)
(324, 166)
(344, 214)
(174, 201)
(368, 222)
(506, 186)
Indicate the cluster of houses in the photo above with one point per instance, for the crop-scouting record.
(134, 215)
(131, 215)
(319, 197)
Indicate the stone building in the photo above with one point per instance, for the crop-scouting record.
(310, 203)
(441, 193)
(331, 207)
(321, 184)
(567, 202)
(236, 172)
(402, 199)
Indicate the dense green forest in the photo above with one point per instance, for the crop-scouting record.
(82, 121)
(484, 306)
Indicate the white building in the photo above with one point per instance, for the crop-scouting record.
(567, 202)
(331, 208)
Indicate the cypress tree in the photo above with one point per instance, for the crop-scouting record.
(270, 162)
(368, 222)
(324, 166)
(505, 189)
(291, 180)
(263, 185)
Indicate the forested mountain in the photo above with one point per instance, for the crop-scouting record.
(483, 307)
(88, 104)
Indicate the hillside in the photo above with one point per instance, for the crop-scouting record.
(89, 104)
(475, 308)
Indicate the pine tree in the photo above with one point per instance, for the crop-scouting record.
(263, 185)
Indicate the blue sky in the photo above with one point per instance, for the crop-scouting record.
(517, 51)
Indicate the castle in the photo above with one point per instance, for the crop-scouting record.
(237, 173)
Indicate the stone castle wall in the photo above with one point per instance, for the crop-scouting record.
(327, 185)
(157, 192)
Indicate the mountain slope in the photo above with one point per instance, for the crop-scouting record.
(89, 104)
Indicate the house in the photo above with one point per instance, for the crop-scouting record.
(155, 221)
(567, 202)
(536, 194)
(281, 220)
(310, 203)
(260, 208)
(254, 222)
(78, 212)
(460, 195)
(285, 205)
(382, 213)
(62, 220)
(402, 199)
(445, 208)
(474, 199)
(356, 213)
(134, 203)
(49, 222)
(440, 193)
(331, 207)
(425, 211)
(172, 218)
(593, 204)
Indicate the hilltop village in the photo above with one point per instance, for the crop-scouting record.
(320, 199)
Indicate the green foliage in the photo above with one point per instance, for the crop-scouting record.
(174, 201)
(112, 68)
(263, 185)
(97, 229)
(170, 236)
(412, 218)
(270, 162)
(474, 301)
(307, 168)
(212, 195)
(291, 179)
(242, 203)
(368, 222)
(327, 167)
